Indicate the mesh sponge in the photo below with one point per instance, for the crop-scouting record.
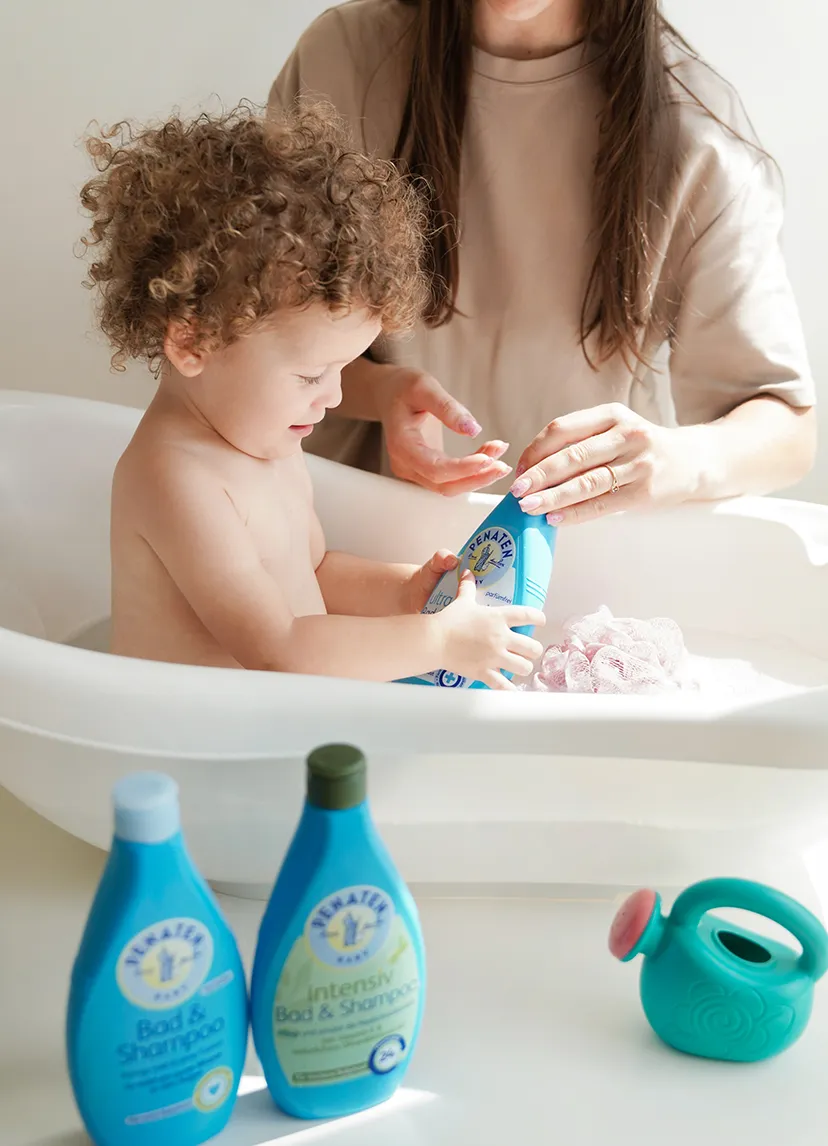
(602, 653)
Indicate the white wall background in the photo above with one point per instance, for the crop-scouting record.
(63, 64)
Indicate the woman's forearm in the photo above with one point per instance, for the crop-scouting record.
(762, 446)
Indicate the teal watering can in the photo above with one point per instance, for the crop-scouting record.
(711, 989)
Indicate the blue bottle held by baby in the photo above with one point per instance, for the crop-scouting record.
(511, 556)
(157, 1022)
(339, 975)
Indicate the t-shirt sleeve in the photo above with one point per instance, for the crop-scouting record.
(354, 57)
(286, 86)
(737, 333)
(318, 69)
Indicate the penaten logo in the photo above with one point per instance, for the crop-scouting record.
(350, 927)
(165, 964)
(490, 554)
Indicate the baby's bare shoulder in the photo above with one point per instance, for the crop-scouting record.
(146, 463)
(163, 469)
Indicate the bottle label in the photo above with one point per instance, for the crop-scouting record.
(490, 555)
(175, 1062)
(165, 964)
(347, 1000)
(210, 1093)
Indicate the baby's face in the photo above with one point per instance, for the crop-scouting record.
(268, 390)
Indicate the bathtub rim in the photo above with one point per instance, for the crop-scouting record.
(149, 708)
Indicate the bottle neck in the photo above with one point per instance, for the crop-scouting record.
(338, 824)
(133, 857)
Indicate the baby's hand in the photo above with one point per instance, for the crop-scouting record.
(424, 581)
(478, 640)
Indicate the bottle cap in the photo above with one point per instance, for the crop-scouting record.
(146, 808)
(337, 777)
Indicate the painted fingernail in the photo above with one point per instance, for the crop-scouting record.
(520, 487)
(532, 502)
(554, 518)
(520, 469)
(470, 426)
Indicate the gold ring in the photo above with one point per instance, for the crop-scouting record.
(614, 486)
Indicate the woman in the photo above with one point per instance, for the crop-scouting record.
(612, 290)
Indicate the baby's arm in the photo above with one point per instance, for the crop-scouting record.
(199, 537)
(357, 587)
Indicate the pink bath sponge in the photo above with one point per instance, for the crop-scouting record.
(631, 922)
(603, 653)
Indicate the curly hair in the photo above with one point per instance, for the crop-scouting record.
(220, 221)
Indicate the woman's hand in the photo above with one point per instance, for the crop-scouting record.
(413, 408)
(603, 460)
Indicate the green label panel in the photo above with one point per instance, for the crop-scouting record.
(334, 1024)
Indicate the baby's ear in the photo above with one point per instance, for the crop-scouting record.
(182, 350)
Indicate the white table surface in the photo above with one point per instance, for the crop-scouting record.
(533, 1033)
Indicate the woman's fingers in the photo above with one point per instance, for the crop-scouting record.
(596, 507)
(427, 396)
(580, 458)
(477, 479)
(451, 477)
(413, 431)
(603, 458)
(468, 485)
(415, 412)
(595, 483)
(438, 468)
(495, 449)
(569, 429)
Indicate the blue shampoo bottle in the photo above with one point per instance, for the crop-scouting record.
(339, 977)
(511, 557)
(156, 1030)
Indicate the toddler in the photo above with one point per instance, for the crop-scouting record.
(248, 261)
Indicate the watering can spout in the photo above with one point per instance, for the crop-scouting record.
(639, 926)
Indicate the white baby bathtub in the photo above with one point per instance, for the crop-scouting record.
(468, 787)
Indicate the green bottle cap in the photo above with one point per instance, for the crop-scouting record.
(337, 777)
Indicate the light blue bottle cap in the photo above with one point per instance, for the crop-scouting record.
(146, 808)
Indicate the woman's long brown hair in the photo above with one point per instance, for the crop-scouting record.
(636, 161)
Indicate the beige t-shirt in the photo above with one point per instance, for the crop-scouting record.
(728, 326)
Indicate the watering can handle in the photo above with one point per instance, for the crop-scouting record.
(745, 895)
